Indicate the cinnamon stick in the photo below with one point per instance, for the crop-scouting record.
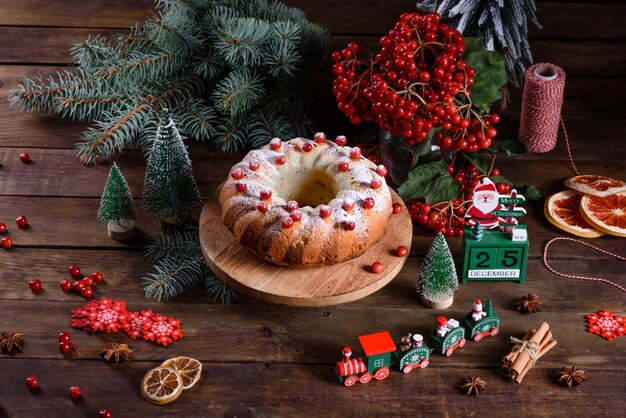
(518, 362)
(523, 357)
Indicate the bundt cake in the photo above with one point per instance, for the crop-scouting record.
(304, 203)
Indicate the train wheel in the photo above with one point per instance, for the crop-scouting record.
(407, 368)
(449, 351)
(462, 342)
(350, 381)
(494, 331)
(424, 363)
(478, 336)
(381, 373)
(365, 378)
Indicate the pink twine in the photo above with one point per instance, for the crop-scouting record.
(542, 100)
(596, 279)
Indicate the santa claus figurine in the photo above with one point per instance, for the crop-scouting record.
(477, 311)
(484, 202)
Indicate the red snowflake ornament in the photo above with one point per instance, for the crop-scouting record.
(104, 315)
(163, 330)
(606, 324)
(138, 323)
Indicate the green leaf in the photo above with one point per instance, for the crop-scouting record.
(431, 181)
(529, 191)
(500, 179)
(513, 147)
(477, 160)
(490, 73)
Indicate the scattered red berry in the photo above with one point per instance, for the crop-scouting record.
(32, 382)
(97, 277)
(401, 251)
(396, 208)
(377, 267)
(105, 413)
(21, 221)
(341, 140)
(237, 173)
(65, 347)
(319, 137)
(74, 270)
(86, 292)
(6, 242)
(3, 227)
(74, 392)
(64, 337)
(35, 285)
(78, 285)
(65, 285)
(88, 281)
(25, 158)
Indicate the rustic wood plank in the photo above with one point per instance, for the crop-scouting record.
(296, 390)
(76, 13)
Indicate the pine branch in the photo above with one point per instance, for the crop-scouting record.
(232, 135)
(196, 119)
(173, 276)
(238, 92)
(241, 40)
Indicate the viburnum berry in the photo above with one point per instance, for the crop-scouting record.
(74, 392)
(281, 159)
(343, 166)
(74, 270)
(263, 207)
(3, 227)
(88, 281)
(265, 194)
(21, 221)
(86, 292)
(105, 413)
(325, 211)
(319, 137)
(237, 173)
(241, 187)
(377, 267)
(65, 285)
(308, 147)
(64, 337)
(65, 347)
(396, 208)
(6, 242)
(254, 165)
(32, 382)
(348, 225)
(78, 285)
(287, 223)
(348, 204)
(341, 140)
(368, 203)
(401, 251)
(25, 158)
(35, 285)
(97, 276)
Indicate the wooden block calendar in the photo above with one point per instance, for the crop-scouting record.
(495, 257)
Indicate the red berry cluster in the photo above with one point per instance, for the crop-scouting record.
(65, 343)
(6, 242)
(81, 285)
(448, 217)
(418, 81)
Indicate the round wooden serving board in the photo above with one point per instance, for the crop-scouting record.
(316, 286)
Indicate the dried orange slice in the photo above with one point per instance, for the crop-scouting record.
(189, 369)
(161, 385)
(562, 209)
(595, 185)
(608, 213)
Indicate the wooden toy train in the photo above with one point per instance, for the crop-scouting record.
(380, 353)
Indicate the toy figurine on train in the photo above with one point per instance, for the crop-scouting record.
(494, 246)
(380, 354)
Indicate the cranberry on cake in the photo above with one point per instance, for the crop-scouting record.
(306, 203)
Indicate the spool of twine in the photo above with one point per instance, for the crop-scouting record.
(542, 100)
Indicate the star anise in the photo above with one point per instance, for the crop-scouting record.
(530, 303)
(473, 386)
(11, 341)
(116, 352)
(571, 376)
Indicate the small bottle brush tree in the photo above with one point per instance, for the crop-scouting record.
(169, 191)
(117, 209)
(437, 280)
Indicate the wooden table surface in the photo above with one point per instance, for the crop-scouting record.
(269, 360)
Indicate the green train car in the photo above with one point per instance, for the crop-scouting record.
(489, 325)
(411, 358)
(453, 339)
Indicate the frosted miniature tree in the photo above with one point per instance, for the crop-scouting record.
(437, 279)
(117, 209)
(477, 231)
(169, 191)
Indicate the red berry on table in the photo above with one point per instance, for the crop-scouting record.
(64, 337)
(105, 413)
(65, 347)
(241, 187)
(396, 208)
(78, 285)
(341, 140)
(97, 277)
(381, 170)
(74, 270)
(377, 267)
(320, 137)
(325, 211)
(6, 242)
(287, 223)
(32, 382)
(355, 153)
(87, 292)
(74, 392)
(254, 165)
(21, 221)
(368, 203)
(280, 160)
(25, 158)
(66, 285)
(35, 285)
(3, 227)
(343, 166)
(376, 183)
(401, 251)
(88, 281)
(237, 173)
(263, 207)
